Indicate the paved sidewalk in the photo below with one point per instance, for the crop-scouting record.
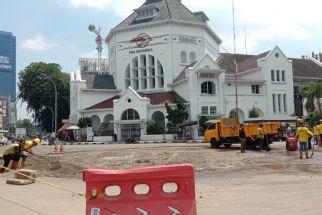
(39, 198)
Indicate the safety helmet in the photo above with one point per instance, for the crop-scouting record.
(37, 141)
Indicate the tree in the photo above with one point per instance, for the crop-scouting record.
(25, 123)
(36, 89)
(253, 113)
(177, 115)
(202, 122)
(84, 122)
(153, 128)
(312, 118)
(313, 94)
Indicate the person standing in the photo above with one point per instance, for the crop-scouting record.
(316, 133)
(242, 138)
(303, 133)
(260, 136)
(11, 153)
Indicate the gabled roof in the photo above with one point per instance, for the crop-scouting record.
(227, 61)
(301, 67)
(104, 104)
(251, 63)
(170, 97)
(306, 68)
(155, 99)
(182, 74)
(99, 81)
(167, 9)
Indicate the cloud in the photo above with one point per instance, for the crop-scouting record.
(38, 43)
(265, 21)
(121, 7)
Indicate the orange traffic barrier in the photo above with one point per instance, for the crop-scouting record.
(166, 190)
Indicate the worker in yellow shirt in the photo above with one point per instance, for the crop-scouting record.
(320, 129)
(302, 134)
(11, 153)
(316, 133)
(260, 136)
(26, 146)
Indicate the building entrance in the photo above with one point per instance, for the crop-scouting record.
(130, 131)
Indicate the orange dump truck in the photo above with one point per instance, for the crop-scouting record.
(225, 131)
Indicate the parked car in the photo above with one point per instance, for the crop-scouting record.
(3, 140)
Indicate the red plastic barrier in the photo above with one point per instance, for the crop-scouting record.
(291, 144)
(160, 196)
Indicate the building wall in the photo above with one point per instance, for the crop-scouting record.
(280, 63)
(168, 41)
(8, 65)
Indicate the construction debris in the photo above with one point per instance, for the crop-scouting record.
(23, 177)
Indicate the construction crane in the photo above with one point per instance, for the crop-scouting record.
(99, 42)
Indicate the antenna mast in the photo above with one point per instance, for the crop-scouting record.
(99, 42)
(235, 61)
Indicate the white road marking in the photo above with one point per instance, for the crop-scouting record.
(174, 210)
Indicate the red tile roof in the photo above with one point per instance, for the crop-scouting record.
(164, 97)
(155, 99)
(251, 63)
(306, 68)
(104, 104)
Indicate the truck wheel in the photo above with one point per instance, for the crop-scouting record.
(214, 143)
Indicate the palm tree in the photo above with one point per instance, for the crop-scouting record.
(313, 94)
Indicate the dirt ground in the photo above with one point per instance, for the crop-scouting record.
(227, 182)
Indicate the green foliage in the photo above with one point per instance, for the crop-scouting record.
(313, 94)
(177, 115)
(153, 128)
(313, 118)
(37, 90)
(25, 123)
(253, 113)
(84, 122)
(104, 129)
(202, 123)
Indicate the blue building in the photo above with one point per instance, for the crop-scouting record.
(8, 65)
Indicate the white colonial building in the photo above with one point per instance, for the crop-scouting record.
(164, 53)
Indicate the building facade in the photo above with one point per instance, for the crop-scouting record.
(165, 53)
(8, 65)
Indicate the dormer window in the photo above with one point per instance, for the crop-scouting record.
(146, 13)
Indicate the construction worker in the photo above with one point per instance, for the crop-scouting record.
(316, 133)
(242, 138)
(302, 134)
(26, 146)
(260, 136)
(11, 153)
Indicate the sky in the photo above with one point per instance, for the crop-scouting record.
(56, 31)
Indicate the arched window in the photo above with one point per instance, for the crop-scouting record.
(183, 57)
(159, 119)
(208, 87)
(96, 123)
(130, 114)
(144, 72)
(108, 119)
(192, 57)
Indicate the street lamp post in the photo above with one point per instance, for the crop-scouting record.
(52, 118)
(52, 81)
